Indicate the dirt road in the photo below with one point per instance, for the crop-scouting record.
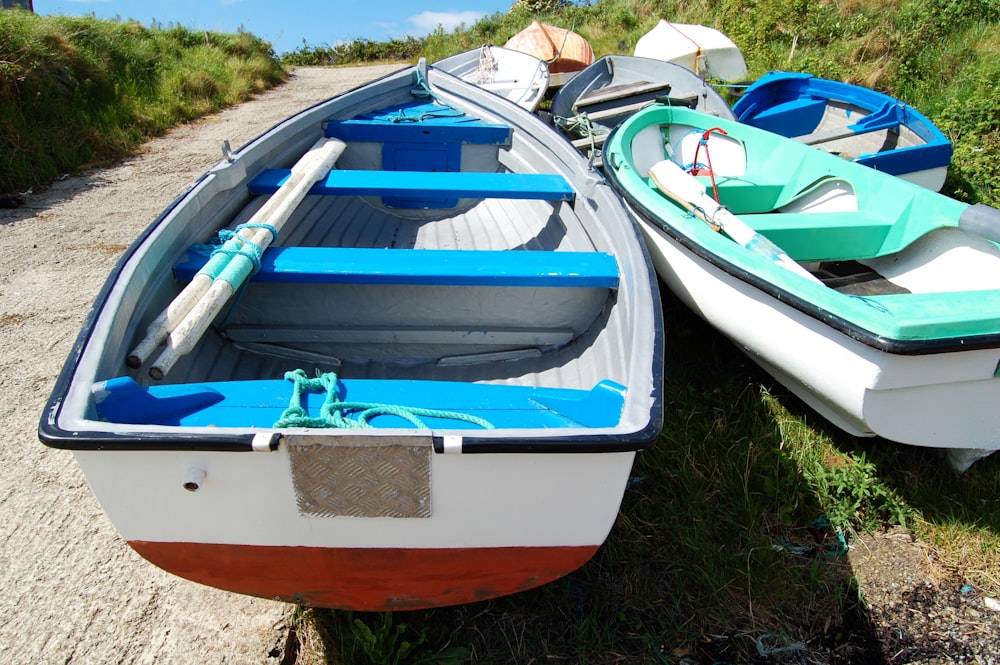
(71, 591)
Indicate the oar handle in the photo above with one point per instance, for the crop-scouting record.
(686, 190)
(190, 330)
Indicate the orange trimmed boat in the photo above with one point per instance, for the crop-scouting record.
(565, 51)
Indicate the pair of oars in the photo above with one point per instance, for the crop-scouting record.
(686, 190)
(185, 320)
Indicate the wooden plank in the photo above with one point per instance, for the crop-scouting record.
(437, 267)
(585, 142)
(848, 131)
(616, 92)
(539, 186)
(619, 111)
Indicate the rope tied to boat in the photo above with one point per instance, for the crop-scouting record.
(423, 89)
(232, 244)
(486, 73)
(695, 170)
(582, 126)
(333, 412)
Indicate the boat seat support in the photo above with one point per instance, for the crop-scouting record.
(823, 236)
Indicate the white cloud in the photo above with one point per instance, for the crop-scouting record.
(429, 21)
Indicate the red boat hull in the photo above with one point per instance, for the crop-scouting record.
(366, 579)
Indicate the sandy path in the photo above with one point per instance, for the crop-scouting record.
(71, 591)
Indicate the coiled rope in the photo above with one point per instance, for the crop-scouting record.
(333, 412)
(582, 126)
(487, 65)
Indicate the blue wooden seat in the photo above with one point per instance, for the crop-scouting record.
(261, 403)
(541, 186)
(432, 267)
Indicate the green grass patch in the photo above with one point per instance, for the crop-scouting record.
(79, 92)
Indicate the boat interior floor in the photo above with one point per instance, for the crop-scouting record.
(854, 278)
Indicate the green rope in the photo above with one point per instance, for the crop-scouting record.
(581, 125)
(232, 245)
(332, 413)
(423, 89)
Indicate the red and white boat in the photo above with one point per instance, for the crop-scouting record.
(482, 322)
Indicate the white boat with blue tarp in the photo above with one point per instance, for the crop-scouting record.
(399, 351)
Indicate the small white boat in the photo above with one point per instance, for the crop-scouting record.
(588, 107)
(873, 299)
(564, 51)
(513, 75)
(705, 51)
(414, 371)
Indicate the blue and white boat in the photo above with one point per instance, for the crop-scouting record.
(857, 123)
(398, 352)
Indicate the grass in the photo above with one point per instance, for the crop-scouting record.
(80, 92)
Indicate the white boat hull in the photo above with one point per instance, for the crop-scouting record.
(504, 406)
(705, 51)
(935, 400)
(513, 75)
(199, 515)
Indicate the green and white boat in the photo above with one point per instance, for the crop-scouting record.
(875, 300)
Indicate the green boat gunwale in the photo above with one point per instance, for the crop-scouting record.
(902, 324)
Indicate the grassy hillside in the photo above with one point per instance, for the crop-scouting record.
(77, 92)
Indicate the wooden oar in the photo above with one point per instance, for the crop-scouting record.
(685, 189)
(185, 320)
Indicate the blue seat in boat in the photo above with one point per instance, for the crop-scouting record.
(261, 403)
(540, 186)
(432, 267)
(458, 130)
(422, 148)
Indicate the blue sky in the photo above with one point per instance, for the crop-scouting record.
(286, 24)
